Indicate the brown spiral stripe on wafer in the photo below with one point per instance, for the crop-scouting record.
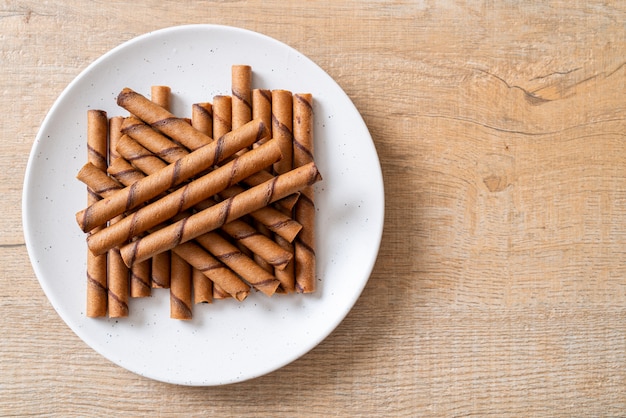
(202, 117)
(140, 282)
(219, 274)
(176, 128)
(154, 141)
(180, 289)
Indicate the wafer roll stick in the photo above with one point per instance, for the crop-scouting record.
(258, 243)
(139, 156)
(122, 171)
(118, 273)
(241, 264)
(180, 289)
(184, 198)
(222, 277)
(304, 211)
(161, 95)
(170, 176)
(176, 128)
(262, 106)
(153, 140)
(202, 287)
(160, 268)
(220, 214)
(97, 138)
(202, 118)
(282, 123)
(140, 281)
(222, 116)
(272, 218)
(282, 126)
(139, 275)
(241, 86)
(160, 272)
(103, 184)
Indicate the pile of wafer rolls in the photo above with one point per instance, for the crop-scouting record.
(209, 207)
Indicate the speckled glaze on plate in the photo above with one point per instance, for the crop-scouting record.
(226, 341)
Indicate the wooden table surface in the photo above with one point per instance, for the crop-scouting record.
(500, 286)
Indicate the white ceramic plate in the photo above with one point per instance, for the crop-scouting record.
(226, 341)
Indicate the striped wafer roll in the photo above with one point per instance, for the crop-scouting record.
(262, 106)
(180, 289)
(161, 95)
(241, 86)
(248, 236)
(184, 198)
(118, 273)
(221, 276)
(240, 263)
(170, 176)
(222, 116)
(202, 287)
(202, 118)
(161, 119)
(220, 214)
(161, 264)
(139, 156)
(122, 171)
(304, 211)
(282, 123)
(97, 180)
(140, 279)
(151, 139)
(97, 139)
(275, 220)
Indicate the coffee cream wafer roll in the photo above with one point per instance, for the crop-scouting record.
(241, 264)
(286, 203)
(118, 273)
(257, 243)
(180, 289)
(97, 140)
(241, 86)
(222, 116)
(262, 106)
(154, 141)
(220, 214)
(282, 130)
(275, 220)
(139, 274)
(122, 171)
(160, 267)
(304, 211)
(139, 156)
(161, 119)
(202, 287)
(184, 198)
(170, 176)
(161, 95)
(202, 117)
(104, 185)
(222, 277)
(282, 123)
(140, 279)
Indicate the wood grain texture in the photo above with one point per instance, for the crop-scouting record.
(500, 288)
